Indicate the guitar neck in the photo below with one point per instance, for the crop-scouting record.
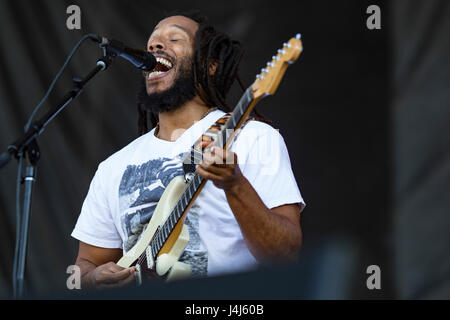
(240, 112)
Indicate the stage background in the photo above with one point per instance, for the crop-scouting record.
(334, 109)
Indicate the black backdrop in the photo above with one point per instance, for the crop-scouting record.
(332, 109)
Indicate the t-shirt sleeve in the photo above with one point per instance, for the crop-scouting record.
(267, 165)
(95, 225)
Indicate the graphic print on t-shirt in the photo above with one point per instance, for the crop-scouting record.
(140, 189)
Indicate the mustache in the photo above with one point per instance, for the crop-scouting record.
(164, 55)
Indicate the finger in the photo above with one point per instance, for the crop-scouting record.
(208, 174)
(131, 279)
(205, 144)
(107, 277)
(113, 268)
(219, 170)
(226, 156)
(220, 157)
(211, 159)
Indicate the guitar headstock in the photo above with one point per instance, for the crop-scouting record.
(267, 81)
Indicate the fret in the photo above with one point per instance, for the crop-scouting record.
(174, 216)
(152, 249)
(184, 201)
(158, 242)
(155, 250)
(179, 211)
(193, 185)
(189, 191)
(170, 221)
(240, 105)
(161, 238)
(166, 227)
(233, 121)
(240, 109)
(198, 179)
(164, 232)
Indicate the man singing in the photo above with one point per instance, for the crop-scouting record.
(248, 211)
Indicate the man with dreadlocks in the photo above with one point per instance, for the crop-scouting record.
(248, 211)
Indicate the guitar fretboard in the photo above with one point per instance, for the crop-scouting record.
(164, 232)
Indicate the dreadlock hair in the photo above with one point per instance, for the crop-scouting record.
(215, 66)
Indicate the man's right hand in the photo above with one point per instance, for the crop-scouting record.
(110, 275)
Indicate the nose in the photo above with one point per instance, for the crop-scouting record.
(156, 44)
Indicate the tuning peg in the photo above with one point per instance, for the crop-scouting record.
(298, 36)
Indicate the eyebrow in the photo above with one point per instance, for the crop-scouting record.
(179, 27)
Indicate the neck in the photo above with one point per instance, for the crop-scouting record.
(173, 123)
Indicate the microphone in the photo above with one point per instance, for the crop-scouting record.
(141, 59)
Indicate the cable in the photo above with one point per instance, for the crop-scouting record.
(49, 90)
(20, 155)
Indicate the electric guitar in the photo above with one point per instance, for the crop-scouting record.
(164, 239)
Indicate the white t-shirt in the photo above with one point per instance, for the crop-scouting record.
(128, 185)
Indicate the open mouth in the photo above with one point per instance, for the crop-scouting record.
(163, 66)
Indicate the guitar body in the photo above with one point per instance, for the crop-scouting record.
(167, 258)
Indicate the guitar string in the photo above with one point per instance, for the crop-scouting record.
(158, 233)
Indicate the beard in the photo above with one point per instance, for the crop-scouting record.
(182, 90)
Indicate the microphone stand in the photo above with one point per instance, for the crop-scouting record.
(27, 145)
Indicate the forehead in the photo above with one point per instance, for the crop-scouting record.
(181, 23)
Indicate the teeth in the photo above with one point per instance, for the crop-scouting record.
(154, 74)
(164, 62)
